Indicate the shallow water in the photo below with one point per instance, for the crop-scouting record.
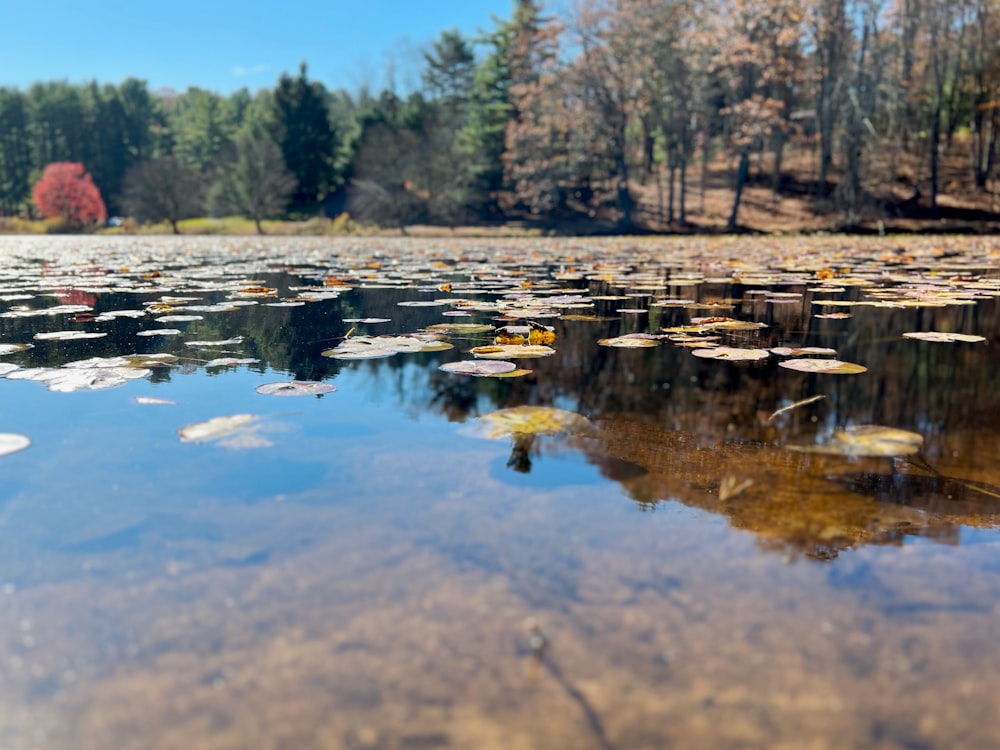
(364, 569)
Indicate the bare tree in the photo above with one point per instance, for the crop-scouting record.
(255, 183)
(163, 189)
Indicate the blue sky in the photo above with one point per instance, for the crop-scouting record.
(225, 44)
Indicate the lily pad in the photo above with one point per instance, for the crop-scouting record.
(478, 367)
(178, 318)
(153, 401)
(222, 342)
(231, 361)
(790, 351)
(68, 335)
(945, 338)
(158, 332)
(518, 373)
(12, 348)
(732, 353)
(12, 443)
(513, 351)
(460, 328)
(826, 366)
(629, 342)
(296, 388)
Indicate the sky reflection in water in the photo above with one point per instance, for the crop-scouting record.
(364, 580)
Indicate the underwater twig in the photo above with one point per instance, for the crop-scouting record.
(796, 405)
(539, 646)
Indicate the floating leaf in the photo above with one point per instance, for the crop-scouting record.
(945, 338)
(826, 366)
(530, 420)
(732, 353)
(231, 361)
(223, 342)
(68, 335)
(460, 328)
(872, 441)
(513, 351)
(158, 332)
(786, 351)
(478, 367)
(629, 342)
(12, 443)
(153, 401)
(518, 373)
(296, 388)
(12, 348)
(179, 318)
(257, 291)
(358, 349)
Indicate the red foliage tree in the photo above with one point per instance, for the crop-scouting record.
(65, 191)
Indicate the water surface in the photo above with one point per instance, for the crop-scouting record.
(363, 569)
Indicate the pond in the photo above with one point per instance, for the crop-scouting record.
(279, 493)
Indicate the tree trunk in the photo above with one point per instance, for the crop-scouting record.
(682, 197)
(935, 160)
(741, 178)
(173, 226)
(670, 193)
(256, 223)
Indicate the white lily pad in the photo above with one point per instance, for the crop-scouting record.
(732, 354)
(945, 338)
(478, 367)
(67, 335)
(231, 361)
(825, 366)
(222, 342)
(153, 401)
(792, 351)
(12, 348)
(158, 332)
(179, 318)
(296, 388)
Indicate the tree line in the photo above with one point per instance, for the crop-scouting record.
(553, 116)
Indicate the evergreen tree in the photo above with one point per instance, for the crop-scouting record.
(480, 141)
(302, 129)
(15, 152)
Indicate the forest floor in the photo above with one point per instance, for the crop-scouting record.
(899, 204)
